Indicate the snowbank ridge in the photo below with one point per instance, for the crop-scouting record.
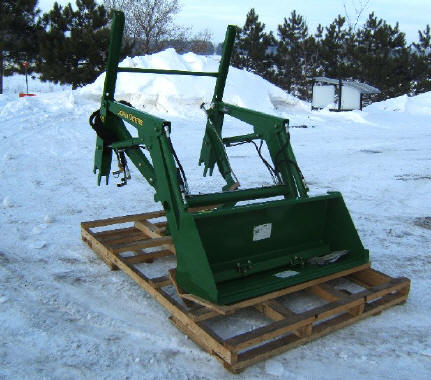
(177, 95)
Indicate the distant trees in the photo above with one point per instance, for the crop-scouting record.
(65, 45)
(253, 46)
(335, 49)
(383, 57)
(150, 23)
(201, 43)
(422, 62)
(69, 44)
(375, 53)
(18, 42)
(295, 55)
(153, 22)
(73, 43)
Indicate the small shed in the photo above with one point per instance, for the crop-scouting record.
(343, 95)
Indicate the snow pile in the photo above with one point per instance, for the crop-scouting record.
(180, 95)
(420, 104)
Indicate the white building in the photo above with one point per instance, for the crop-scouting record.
(339, 95)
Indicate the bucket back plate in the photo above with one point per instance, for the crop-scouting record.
(257, 248)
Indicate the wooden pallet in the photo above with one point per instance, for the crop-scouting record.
(280, 327)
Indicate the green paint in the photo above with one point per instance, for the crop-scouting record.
(233, 252)
(168, 72)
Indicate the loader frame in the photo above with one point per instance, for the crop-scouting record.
(204, 267)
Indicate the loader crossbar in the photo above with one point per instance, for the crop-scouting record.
(236, 195)
(169, 72)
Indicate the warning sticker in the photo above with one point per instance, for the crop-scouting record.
(263, 231)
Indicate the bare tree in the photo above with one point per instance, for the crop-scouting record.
(353, 10)
(151, 22)
(121, 5)
(201, 43)
(116, 4)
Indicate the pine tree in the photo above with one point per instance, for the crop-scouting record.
(17, 34)
(252, 47)
(296, 55)
(54, 45)
(74, 44)
(89, 40)
(334, 50)
(421, 58)
(383, 58)
(318, 37)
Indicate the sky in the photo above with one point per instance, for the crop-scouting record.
(215, 15)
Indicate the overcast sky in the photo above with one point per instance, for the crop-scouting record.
(215, 15)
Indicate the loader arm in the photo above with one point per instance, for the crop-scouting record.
(113, 114)
(271, 129)
(274, 131)
(212, 151)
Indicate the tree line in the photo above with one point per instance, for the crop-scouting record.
(375, 53)
(69, 44)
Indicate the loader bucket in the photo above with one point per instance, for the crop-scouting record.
(262, 247)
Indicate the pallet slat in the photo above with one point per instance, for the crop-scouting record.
(153, 231)
(147, 256)
(102, 235)
(274, 310)
(261, 334)
(123, 219)
(140, 244)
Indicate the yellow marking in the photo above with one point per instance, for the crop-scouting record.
(130, 117)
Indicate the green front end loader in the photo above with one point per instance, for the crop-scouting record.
(238, 243)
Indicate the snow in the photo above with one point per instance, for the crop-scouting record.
(7, 202)
(65, 315)
(418, 105)
(171, 94)
(15, 84)
(274, 367)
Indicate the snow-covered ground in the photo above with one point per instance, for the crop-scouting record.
(16, 83)
(64, 315)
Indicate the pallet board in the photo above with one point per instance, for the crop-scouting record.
(281, 327)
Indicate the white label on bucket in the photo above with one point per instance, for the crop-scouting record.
(263, 231)
(286, 273)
